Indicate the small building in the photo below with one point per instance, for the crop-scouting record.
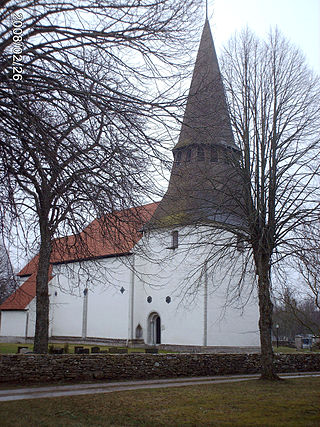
(306, 341)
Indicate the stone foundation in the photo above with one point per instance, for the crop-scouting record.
(22, 368)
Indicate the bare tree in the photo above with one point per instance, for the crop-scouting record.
(83, 120)
(305, 260)
(7, 279)
(274, 110)
(255, 194)
(295, 315)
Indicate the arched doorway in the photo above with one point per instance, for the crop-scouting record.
(154, 329)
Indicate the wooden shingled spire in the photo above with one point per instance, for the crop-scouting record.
(204, 173)
(206, 119)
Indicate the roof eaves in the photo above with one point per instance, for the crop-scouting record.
(71, 261)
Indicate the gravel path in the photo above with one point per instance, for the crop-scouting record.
(109, 387)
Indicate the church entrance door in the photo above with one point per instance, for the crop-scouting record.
(154, 329)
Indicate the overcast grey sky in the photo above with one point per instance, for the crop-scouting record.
(298, 20)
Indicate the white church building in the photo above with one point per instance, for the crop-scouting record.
(158, 282)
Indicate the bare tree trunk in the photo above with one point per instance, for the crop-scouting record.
(42, 305)
(274, 110)
(265, 320)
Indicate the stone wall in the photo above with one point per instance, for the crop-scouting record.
(53, 368)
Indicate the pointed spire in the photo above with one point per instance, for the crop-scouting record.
(206, 119)
(202, 179)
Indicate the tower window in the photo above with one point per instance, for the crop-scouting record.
(188, 155)
(229, 157)
(200, 154)
(178, 157)
(175, 239)
(214, 155)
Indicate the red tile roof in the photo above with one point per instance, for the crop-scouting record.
(22, 296)
(19, 299)
(111, 235)
(30, 268)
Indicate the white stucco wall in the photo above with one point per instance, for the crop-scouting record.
(13, 323)
(19, 323)
(65, 307)
(31, 318)
(179, 274)
(107, 306)
(160, 272)
(159, 277)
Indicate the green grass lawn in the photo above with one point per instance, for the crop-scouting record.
(293, 402)
(286, 350)
(12, 348)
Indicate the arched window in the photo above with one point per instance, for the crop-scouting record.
(214, 155)
(200, 154)
(175, 239)
(178, 157)
(188, 155)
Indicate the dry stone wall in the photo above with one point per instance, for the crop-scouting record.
(28, 368)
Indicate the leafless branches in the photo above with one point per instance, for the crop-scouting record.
(295, 314)
(7, 279)
(274, 109)
(90, 117)
(305, 259)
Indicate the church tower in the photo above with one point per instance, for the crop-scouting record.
(203, 175)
